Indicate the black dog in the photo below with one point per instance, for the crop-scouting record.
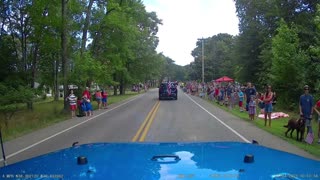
(298, 125)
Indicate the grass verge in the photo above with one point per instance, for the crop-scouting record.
(277, 128)
(43, 115)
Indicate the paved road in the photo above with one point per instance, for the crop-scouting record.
(145, 118)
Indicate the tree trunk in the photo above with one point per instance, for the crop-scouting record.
(122, 86)
(115, 87)
(64, 58)
(88, 83)
(13, 40)
(56, 84)
(23, 41)
(115, 90)
(33, 72)
(122, 89)
(86, 27)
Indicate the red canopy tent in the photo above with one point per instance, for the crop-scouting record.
(224, 79)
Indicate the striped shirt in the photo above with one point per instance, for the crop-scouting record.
(72, 99)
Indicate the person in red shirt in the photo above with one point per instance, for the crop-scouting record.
(87, 93)
(317, 110)
(98, 98)
(104, 99)
(216, 93)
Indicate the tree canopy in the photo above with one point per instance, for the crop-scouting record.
(278, 44)
(82, 42)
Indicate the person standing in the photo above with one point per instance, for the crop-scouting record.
(216, 93)
(104, 99)
(252, 108)
(241, 98)
(87, 93)
(260, 103)
(250, 91)
(233, 99)
(88, 106)
(267, 99)
(73, 103)
(317, 110)
(306, 108)
(98, 98)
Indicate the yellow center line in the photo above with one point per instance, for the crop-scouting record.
(135, 138)
(146, 129)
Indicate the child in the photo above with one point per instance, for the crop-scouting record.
(241, 98)
(88, 106)
(226, 100)
(260, 102)
(252, 108)
(98, 98)
(104, 99)
(73, 103)
(83, 105)
(232, 99)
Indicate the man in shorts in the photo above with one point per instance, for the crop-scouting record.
(306, 108)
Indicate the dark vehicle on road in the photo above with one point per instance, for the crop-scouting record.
(168, 90)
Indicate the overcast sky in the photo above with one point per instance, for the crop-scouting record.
(184, 21)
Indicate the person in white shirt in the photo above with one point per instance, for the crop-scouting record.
(73, 103)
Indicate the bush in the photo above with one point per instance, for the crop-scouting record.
(44, 96)
(12, 97)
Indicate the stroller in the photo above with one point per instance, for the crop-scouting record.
(81, 108)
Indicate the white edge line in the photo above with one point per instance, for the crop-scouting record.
(54, 135)
(227, 126)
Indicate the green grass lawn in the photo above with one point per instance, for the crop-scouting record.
(277, 128)
(44, 114)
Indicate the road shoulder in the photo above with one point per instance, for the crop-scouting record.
(251, 131)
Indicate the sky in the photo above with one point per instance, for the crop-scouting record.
(186, 21)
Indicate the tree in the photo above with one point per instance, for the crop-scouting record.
(64, 43)
(86, 27)
(288, 69)
(54, 42)
(258, 24)
(314, 51)
(127, 48)
(13, 95)
(218, 57)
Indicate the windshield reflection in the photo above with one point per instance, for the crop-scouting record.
(187, 168)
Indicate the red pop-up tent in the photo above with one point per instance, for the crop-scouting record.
(224, 79)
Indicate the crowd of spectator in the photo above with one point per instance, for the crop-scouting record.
(84, 102)
(232, 94)
(248, 99)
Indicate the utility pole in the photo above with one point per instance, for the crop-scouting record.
(202, 61)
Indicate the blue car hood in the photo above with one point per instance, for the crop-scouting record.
(201, 160)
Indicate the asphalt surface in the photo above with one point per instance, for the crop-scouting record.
(145, 118)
